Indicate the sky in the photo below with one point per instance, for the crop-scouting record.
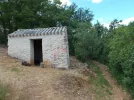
(106, 10)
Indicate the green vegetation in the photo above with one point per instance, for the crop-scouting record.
(2, 39)
(121, 56)
(100, 80)
(100, 85)
(113, 46)
(17, 70)
(3, 91)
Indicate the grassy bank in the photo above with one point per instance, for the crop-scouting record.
(100, 86)
(4, 89)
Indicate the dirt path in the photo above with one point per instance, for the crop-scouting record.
(118, 94)
(34, 83)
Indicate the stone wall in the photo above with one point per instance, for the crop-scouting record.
(19, 48)
(55, 49)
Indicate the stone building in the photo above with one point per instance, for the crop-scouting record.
(47, 45)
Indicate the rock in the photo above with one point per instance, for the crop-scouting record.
(24, 63)
(42, 65)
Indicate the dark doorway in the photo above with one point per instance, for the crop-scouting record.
(38, 58)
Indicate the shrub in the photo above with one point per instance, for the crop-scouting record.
(121, 57)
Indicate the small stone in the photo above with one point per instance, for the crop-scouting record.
(42, 65)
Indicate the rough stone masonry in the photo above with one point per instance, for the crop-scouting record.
(54, 45)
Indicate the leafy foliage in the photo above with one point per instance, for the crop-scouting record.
(113, 46)
(121, 56)
(20, 14)
(90, 41)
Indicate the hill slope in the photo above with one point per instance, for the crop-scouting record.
(77, 83)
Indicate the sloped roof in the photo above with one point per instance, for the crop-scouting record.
(38, 32)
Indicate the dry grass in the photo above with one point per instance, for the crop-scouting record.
(73, 87)
(34, 83)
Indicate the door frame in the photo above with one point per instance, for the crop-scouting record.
(32, 50)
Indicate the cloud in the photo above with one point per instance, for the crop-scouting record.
(101, 19)
(127, 20)
(103, 22)
(124, 22)
(106, 24)
(97, 1)
(66, 2)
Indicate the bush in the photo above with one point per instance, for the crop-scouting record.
(3, 40)
(87, 44)
(121, 57)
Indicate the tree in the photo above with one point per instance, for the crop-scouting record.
(88, 43)
(121, 56)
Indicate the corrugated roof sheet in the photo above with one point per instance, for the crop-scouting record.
(38, 31)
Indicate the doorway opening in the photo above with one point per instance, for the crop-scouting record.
(38, 57)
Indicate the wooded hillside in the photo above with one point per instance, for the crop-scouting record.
(113, 46)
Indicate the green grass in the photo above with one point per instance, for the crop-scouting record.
(3, 91)
(15, 70)
(109, 92)
(99, 80)
(100, 86)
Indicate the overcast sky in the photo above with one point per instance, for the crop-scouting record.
(107, 10)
